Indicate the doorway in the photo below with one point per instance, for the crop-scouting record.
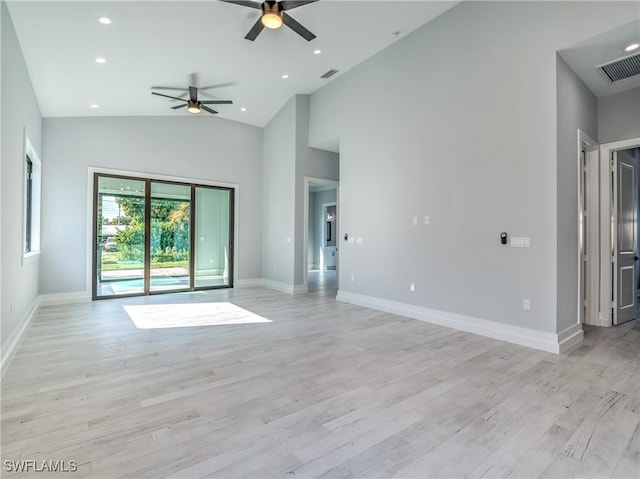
(154, 236)
(322, 219)
(625, 175)
(619, 235)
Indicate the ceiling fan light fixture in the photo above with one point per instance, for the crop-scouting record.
(193, 107)
(272, 20)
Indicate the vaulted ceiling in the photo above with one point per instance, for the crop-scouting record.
(168, 43)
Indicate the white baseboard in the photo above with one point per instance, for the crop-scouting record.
(64, 298)
(248, 283)
(570, 337)
(284, 287)
(550, 342)
(15, 339)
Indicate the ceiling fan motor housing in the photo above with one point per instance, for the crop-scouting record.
(271, 14)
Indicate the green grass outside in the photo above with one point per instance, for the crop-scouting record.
(111, 262)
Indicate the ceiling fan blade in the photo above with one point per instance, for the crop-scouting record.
(193, 94)
(168, 88)
(245, 3)
(206, 108)
(216, 102)
(297, 27)
(178, 106)
(255, 30)
(289, 4)
(219, 85)
(167, 96)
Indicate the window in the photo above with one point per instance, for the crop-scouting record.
(31, 202)
(28, 208)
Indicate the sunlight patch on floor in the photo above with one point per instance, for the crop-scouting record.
(156, 316)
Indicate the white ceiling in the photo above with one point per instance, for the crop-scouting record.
(586, 56)
(164, 42)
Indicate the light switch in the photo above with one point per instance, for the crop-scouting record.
(351, 240)
(359, 240)
(415, 221)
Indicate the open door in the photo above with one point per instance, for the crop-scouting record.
(625, 259)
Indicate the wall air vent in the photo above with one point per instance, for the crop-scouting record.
(621, 69)
(329, 74)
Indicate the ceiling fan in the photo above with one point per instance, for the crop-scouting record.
(192, 103)
(274, 15)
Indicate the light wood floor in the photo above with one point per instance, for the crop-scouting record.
(326, 389)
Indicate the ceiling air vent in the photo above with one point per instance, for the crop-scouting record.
(329, 74)
(621, 69)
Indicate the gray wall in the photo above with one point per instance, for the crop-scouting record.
(309, 162)
(202, 147)
(619, 116)
(465, 132)
(317, 224)
(577, 109)
(20, 117)
(278, 184)
(287, 160)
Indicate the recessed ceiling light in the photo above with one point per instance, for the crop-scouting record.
(100, 60)
(632, 47)
(104, 20)
(243, 109)
(94, 105)
(285, 76)
(317, 52)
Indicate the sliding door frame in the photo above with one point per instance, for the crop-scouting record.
(92, 227)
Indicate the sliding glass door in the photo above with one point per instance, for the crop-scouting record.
(119, 242)
(170, 237)
(155, 236)
(213, 255)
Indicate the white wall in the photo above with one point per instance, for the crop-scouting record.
(619, 116)
(202, 147)
(577, 109)
(458, 121)
(20, 117)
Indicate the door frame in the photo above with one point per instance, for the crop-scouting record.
(305, 258)
(91, 173)
(324, 231)
(592, 234)
(607, 230)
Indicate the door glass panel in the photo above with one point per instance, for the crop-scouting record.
(170, 237)
(120, 237)
(213, 258)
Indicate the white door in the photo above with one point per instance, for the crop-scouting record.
(626, 225)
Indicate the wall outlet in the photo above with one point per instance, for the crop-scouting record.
(526, 304)
(426, 220)
(412, 287)
(415, 221)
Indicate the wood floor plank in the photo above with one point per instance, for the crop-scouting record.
(325, 389)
